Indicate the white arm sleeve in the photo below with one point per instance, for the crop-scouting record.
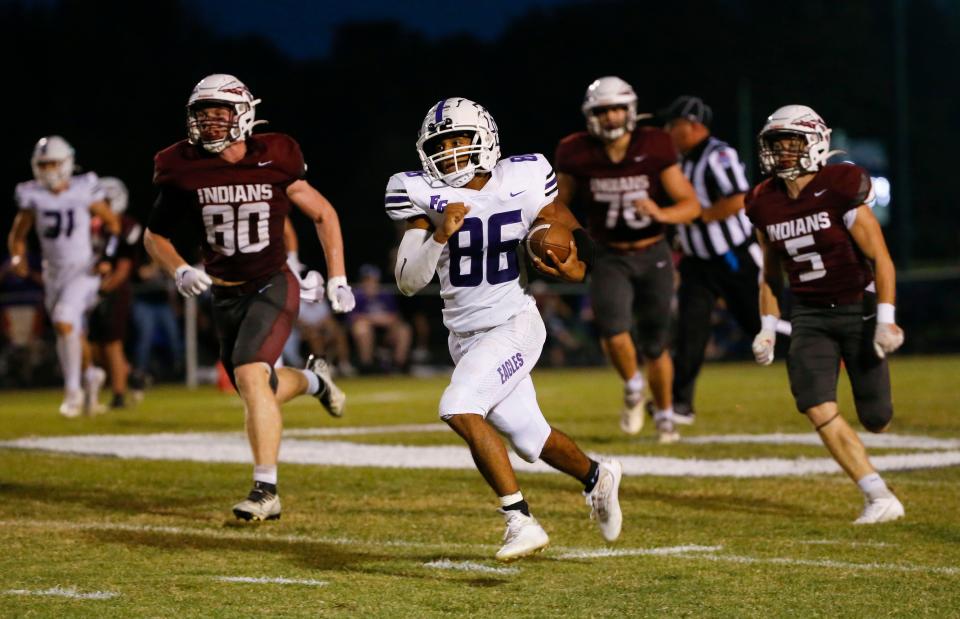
(416, 260)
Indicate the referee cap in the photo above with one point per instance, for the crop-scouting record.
(690, 108)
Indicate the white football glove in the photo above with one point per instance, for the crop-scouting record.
(887, 338)
(763, 346)
(311, 286)
(293, 261)
(764, 343)
(340, 295)
(191, 281)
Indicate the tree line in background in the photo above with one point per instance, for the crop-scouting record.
(115, 84)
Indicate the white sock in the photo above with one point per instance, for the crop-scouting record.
(873, 487)
(665, 413)
(313, 382)
(70, 351)
(510, 499)
(634, 384)
(266, 474)
(91, 374)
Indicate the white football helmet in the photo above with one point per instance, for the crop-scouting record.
(227, 90)
(798, 120)
(52, 149)
(604, 92)
(115, 191)
(453, 116)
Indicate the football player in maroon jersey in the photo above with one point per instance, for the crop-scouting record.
(813, 222)
(234, 190)
(624, 179)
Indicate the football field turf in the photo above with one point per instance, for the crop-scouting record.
(88, 533)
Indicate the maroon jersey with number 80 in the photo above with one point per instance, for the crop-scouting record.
(810, 233)
(240, 206)
(606, 190)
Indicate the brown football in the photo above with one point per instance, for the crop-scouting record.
(553, 236)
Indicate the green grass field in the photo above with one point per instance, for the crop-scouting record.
(155, 538)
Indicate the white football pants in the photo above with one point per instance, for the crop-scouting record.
(492, 379)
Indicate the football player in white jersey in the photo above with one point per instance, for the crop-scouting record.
(60, 205)
(467, 212)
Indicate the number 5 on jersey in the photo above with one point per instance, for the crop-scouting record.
(794, 246)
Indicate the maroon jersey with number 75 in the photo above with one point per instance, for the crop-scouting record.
(238, 208)
(810, 232)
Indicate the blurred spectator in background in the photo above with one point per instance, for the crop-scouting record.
(377, 311)
(561, 324)
(152, 311)
(325, 336)
(111, 315)
(23, 347)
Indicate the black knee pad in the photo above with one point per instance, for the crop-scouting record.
(875, 415)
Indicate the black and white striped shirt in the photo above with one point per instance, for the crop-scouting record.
(715, 171)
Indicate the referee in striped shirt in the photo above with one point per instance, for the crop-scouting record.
(720, 255)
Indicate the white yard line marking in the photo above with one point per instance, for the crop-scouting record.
(68, 592)
(873, 441)
(844, 565)
(377, 397)
(707, 553)
(273, 581)
(703, 553)
(409, 428)
(842, 542)
(233, 447)
(469, 566)
(636, 552)
(260, 535)
(236, 534)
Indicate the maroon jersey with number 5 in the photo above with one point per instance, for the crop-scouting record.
(606, 190)
(239, 208)
(811, 233)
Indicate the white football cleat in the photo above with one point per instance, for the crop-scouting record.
(332, 397)
(665, 429)
(883, 509)
(631, 416)
(259, 505)
(524, 536)
(72, 404)
(604, 500)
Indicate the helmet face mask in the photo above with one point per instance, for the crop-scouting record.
(604, 95)
(220, 111)
(453, 154)
(794, 141)
(785, 153)
(52, 161)
(458, 138)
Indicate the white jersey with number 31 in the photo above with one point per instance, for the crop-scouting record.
(480, 269)
(62, 222)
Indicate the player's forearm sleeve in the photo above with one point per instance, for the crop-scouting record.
(416, 260)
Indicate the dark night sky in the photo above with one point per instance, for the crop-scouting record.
(282, 21)
(528, 61)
